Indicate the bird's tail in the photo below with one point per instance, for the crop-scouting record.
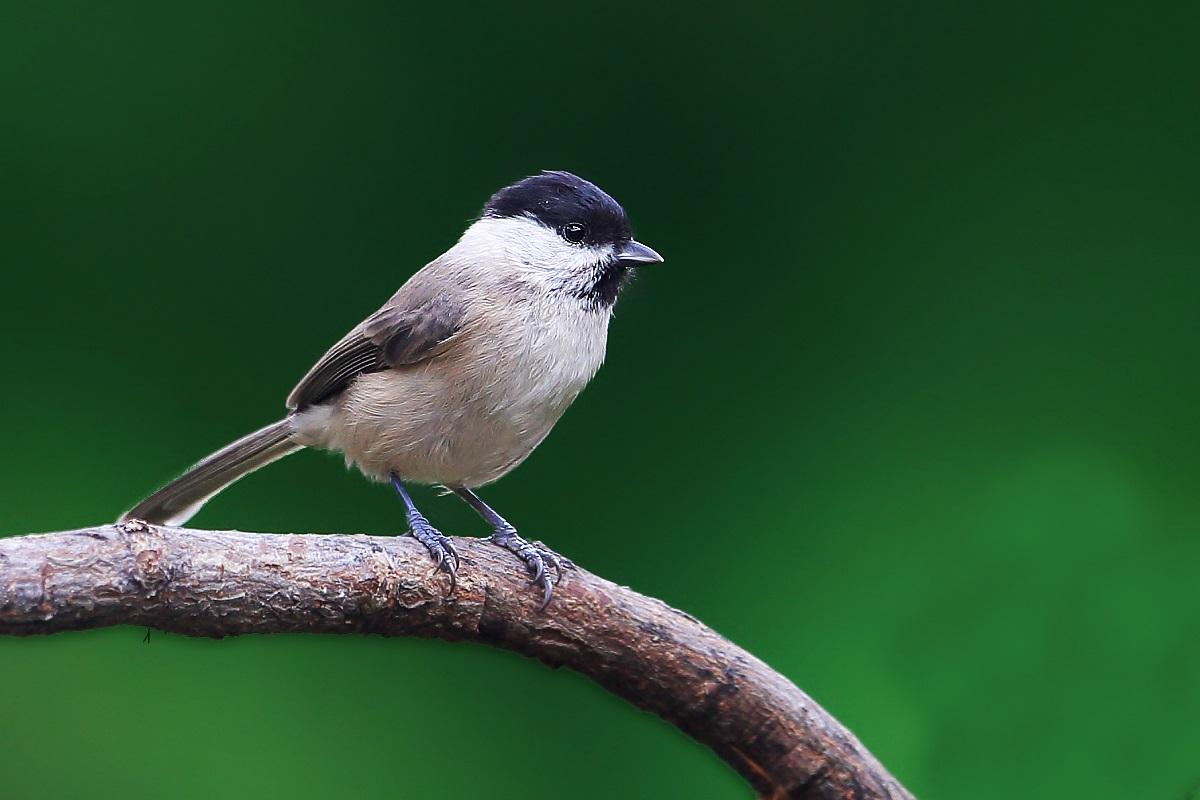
(179, 500)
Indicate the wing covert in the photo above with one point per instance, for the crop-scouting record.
(407, 330)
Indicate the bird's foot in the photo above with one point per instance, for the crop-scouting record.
(538, 559)
(439, 546)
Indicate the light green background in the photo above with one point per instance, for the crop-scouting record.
(910, 412)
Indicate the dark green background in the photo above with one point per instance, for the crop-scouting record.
(910, 412)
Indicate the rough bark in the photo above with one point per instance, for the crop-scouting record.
(207, 583)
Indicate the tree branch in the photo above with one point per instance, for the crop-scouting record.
(207, 583)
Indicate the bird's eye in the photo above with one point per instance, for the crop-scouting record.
(574, 232)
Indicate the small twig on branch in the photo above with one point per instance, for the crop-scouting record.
(207, 583)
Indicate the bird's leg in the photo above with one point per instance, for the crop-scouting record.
(535, 555)
(439, 546)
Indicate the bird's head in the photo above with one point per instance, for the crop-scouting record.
(567, 233)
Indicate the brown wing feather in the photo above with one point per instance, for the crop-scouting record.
(412, 327)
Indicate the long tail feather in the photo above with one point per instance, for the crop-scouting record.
(179, 500)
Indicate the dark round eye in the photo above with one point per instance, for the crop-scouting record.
(574, 232)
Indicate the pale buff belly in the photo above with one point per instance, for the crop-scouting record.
(416, 424)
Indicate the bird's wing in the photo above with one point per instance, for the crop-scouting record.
(416, 324)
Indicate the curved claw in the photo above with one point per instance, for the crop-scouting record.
(539, 568)
(535, 557)
(447, 561)
(559, 562)
(440, 549)
(549, 584)
(554, 562)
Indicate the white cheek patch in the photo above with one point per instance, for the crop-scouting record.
(534, 252)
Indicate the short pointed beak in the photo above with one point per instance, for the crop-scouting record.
(633, 253)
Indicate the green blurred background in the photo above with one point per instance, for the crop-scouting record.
(910, 412)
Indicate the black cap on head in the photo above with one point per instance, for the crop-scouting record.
(558, 199)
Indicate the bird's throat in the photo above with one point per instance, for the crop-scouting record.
(608, 282)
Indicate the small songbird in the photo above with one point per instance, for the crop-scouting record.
(464, 371)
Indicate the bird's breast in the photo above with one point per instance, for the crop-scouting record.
(543, 358)
(467, 417)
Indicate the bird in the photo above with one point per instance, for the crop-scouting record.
(458, 377)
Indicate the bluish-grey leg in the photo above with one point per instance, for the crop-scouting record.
(534, 555)
(439, 546)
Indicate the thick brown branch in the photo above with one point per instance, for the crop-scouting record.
(206, 583)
